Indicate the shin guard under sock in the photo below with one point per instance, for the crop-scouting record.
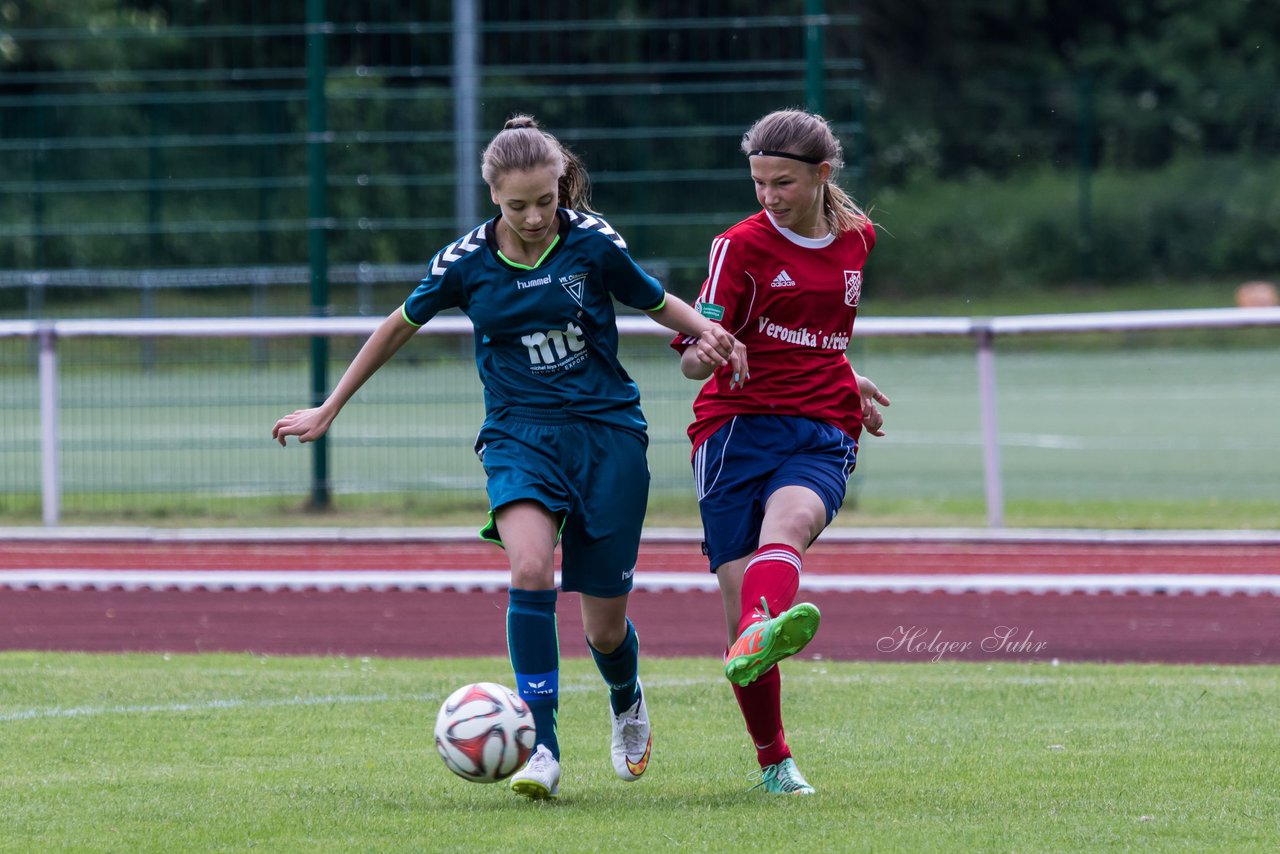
(534, 647)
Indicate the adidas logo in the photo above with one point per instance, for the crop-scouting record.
(783, 281)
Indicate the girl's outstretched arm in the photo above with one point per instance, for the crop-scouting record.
(310, 424)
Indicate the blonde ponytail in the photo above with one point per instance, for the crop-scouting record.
(809, 138)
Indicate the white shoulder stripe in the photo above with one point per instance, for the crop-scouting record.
(719, 249)
(595, 223)
(464, 245)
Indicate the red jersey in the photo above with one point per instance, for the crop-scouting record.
(792, 301)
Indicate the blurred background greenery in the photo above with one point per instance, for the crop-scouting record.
(280, 157)
(1001, 145)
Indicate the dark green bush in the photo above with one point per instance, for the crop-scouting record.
(1216, 217)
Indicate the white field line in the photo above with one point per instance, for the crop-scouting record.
(814, 671)
(499, 580)
(285, 702)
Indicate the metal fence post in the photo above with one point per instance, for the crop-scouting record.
(1084, 166)
(988, 406)
(466, 89)
(814, 54)
(50, 463)
(317, 232)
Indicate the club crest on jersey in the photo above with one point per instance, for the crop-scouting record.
(852, 287)
(572, 285)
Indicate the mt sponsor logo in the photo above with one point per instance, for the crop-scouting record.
(555, 350)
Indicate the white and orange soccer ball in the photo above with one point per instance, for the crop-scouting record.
(484, 732)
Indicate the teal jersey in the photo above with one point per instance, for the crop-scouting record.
(545, 338)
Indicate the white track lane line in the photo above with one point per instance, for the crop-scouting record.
(498, 581)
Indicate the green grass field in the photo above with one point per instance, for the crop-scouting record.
(232, 752)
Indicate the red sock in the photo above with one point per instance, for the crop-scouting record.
(774, 575)
(761, 704)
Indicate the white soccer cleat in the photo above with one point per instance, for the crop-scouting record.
(540, 777)
(632, 740)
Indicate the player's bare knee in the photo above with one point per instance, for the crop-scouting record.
(532, 573)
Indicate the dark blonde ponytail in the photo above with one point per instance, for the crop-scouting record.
(522, 145)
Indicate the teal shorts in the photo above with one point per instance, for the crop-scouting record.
(594, 476)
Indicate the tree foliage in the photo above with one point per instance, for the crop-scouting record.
(1002, 85)
(158, 113)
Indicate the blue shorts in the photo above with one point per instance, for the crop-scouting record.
(752, 456)
(593, 476)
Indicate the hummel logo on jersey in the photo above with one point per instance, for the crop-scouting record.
(783, 281)
(533, 283)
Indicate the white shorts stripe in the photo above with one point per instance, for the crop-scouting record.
(703, 487)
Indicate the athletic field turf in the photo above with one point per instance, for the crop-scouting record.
(231, 752)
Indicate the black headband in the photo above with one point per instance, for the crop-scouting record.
(760, 152)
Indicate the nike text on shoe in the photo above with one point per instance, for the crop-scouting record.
(766, 642)
(784, 779)
(539, 778)
(632, 740)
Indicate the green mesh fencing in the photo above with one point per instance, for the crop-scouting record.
(166, 148)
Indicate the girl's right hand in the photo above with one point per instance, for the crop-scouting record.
(717, 347)
(307, 424)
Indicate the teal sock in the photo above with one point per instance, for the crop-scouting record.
(534, 647)
(621, 670)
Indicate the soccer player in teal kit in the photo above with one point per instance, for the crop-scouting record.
(563, 441)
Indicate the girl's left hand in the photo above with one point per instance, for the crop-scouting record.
(872, 417)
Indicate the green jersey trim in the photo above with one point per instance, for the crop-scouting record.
(554, 242)
(405, 315)
(660, 306)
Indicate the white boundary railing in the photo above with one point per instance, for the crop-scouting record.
(984, 331)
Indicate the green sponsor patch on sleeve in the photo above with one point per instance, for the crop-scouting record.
(711, 310)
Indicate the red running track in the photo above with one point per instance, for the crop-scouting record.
(864, 626)
(826, 557)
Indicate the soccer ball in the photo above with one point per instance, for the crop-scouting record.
(484, 732)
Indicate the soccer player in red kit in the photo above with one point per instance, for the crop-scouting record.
(773, 450)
